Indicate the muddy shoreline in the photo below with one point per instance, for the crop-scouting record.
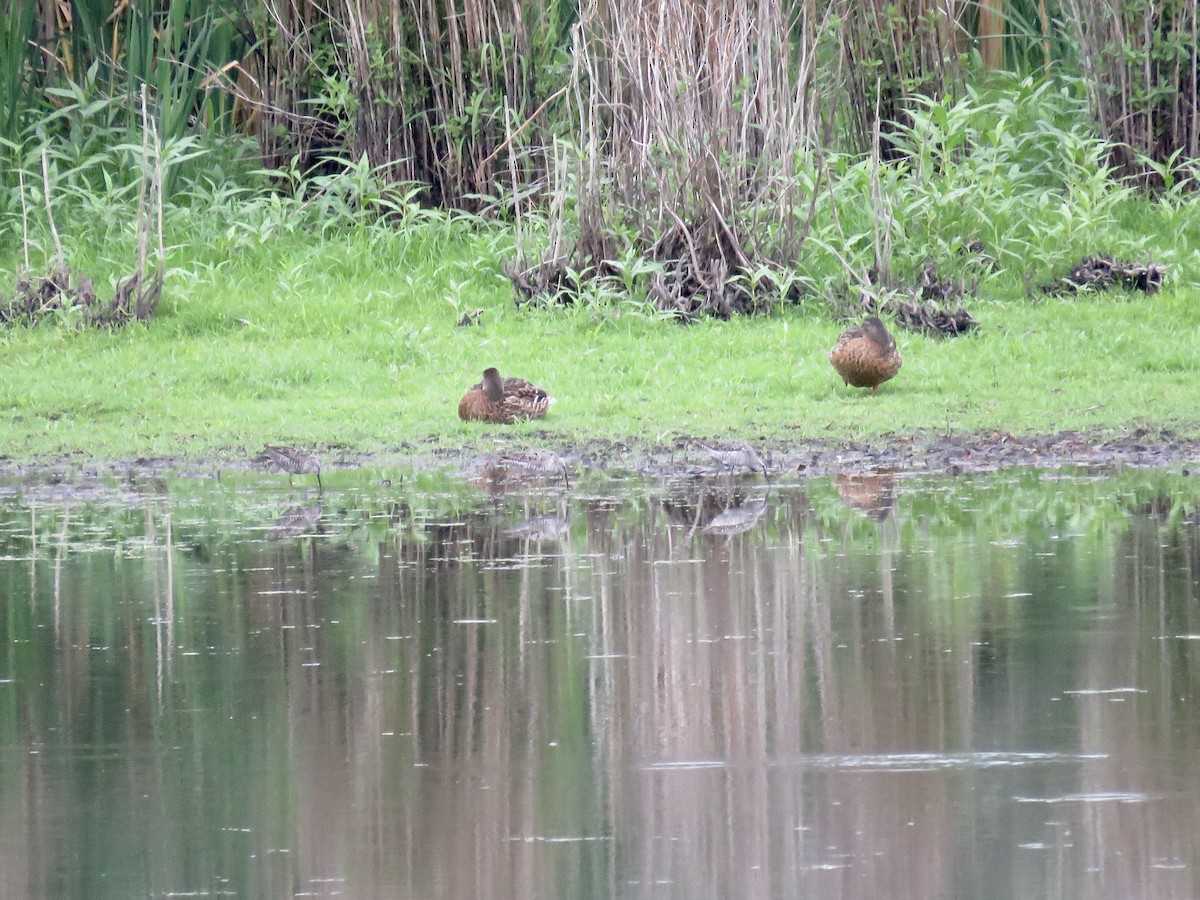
(930, 454)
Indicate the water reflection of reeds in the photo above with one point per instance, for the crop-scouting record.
(564, 695)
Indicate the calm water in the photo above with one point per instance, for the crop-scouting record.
(874, 687)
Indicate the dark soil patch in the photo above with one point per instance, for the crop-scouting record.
(928, 453)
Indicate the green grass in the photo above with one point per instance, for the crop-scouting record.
(349, 340)
(303, 319)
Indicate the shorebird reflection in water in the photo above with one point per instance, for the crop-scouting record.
(540, 528)
(737, 519)
(293, 461)
(296, 520)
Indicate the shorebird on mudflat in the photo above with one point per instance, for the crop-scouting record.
(736, 456)
(293, 461)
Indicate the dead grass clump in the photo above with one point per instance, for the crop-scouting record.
(547, 282)
(60, 295)
(1099, 273)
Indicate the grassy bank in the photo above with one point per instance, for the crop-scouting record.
(349, 340)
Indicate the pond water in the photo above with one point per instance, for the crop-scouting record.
(877, 686)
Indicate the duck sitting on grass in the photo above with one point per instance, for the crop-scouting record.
(503, 400)
(866, 355)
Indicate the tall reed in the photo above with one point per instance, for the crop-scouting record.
(424, 89)
(893, 50)
(17, 29)
(693, 120)
(1142, 68)
(87, 56)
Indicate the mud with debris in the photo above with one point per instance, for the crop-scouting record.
(933, 454)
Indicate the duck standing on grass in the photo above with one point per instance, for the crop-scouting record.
(866, 355)
(503, 400)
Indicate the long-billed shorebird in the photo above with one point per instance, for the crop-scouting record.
(736, 456)
(542, 463)
(293, 461)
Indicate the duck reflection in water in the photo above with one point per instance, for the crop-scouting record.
(871, 492)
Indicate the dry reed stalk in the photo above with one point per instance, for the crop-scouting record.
(991, 31)
(275, 81)
(694, 120)
(1044, 25)
(1142, 69)
(896, 48)
(421, 87)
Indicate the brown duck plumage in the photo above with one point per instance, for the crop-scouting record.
(503, 400)
(866, 355)
(872, 492)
